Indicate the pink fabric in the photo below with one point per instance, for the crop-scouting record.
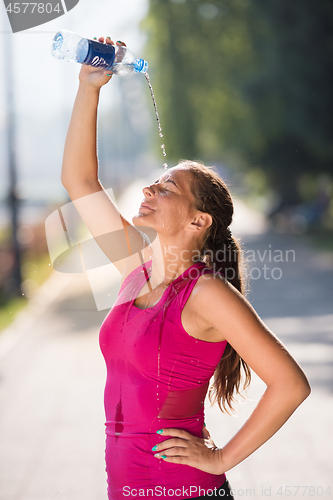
(157, 377)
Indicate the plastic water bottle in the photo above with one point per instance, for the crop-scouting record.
(68, 46)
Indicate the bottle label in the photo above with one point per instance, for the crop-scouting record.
(100, 55)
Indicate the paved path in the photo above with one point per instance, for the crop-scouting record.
(52, 377)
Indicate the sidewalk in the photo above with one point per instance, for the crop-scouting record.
(52, 378)
(51, 398)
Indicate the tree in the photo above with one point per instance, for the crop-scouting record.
(246, 82)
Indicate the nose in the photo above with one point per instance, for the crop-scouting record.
(148, 191)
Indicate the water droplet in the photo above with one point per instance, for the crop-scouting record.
(156, 113)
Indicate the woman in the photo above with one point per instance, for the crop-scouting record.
(176, 323)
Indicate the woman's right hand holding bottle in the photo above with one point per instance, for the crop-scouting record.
(97, 77)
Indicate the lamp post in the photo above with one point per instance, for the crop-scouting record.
(15, 280)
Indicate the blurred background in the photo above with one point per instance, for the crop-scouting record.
(244, 85)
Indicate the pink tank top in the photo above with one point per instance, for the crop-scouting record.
(157, 377)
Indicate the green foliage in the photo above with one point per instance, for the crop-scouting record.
(35, 271)
(247, 82)
(9, 310)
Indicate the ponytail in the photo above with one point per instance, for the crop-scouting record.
(221, 252)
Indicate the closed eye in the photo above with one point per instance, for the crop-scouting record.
(164, 188)
(168, 180)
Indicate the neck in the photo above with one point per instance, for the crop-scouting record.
(171, 259)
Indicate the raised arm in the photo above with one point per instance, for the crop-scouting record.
(114, 234)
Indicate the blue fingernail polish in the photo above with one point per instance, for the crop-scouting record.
(159, 431)
(163, 456)
(154, 449)
(205, 424)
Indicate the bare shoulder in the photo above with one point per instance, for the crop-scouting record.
(214, 304)
(212, 287)
(196, 316)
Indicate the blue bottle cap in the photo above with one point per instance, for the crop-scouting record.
(140, 66)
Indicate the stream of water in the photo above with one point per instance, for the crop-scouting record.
(165, 165)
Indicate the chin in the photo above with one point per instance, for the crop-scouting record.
(140, 220)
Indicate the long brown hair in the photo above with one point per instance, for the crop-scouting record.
(222, 252)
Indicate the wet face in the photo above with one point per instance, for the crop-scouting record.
(168, 204)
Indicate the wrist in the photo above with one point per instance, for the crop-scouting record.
(223, 465)
(88, 88)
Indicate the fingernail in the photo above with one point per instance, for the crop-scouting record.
(95, 37)
(154, 448)
(157, 455)
(163, 456)
(119, 41)
(205, 424)
(109, 74)
(159, 431)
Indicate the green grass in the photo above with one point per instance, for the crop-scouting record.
(36, 268)
(9, 311)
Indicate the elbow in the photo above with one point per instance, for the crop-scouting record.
(67, 175)
(302, 390)
(66, 187)
(64, 173)
(295, 389)
(63, 180)
(306, 390)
